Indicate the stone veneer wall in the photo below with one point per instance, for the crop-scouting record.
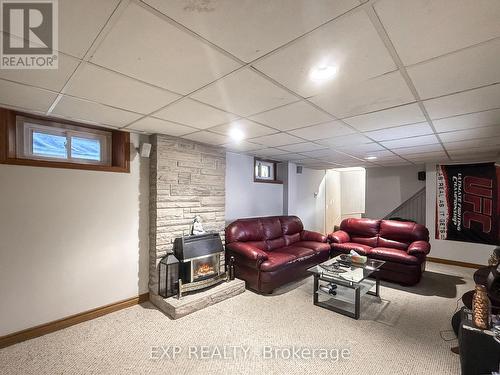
(187, 179)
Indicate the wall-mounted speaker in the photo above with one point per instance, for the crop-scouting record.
(145, 150)
(299, 169)
(421, 176)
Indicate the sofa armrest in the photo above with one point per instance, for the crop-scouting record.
(339, 237)
(307, 235)
(247, 251)
(419, 247)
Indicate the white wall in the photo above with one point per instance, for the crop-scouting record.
(453, 250)
(302, 199)
(71, 241)
(388, 187)
(246, 198)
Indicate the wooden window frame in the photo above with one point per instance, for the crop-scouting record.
(119, 154)
(274, 180)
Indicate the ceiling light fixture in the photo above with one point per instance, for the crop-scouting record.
(236, 134)
(322, 73)
(370, 158)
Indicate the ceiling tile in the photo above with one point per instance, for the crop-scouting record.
(103, 86)
(407, 114)
(194, 113)
(242, 146)
(362, 150)
(244, 93)
(341, 159)
(345, 140)
(269, 152)
(475, 152)
(351, 44)
(83, 110)
(275, 140)
(410, 142)
(424, 156)
(302, 147)
(422, 29)
(292, 116)
(248, 128)
(263, 27)
(327, 130)
(288, 157)
(463, 70)
(154, 125)
(405, 131)
(377, 93)
(51, 79)
(80, 22)
(324, 153)
(477, 100)
(470, 121)
(179, 61)
(475, 156)
(393, 163)
(31, 98)
(418, 149)
(472, 143)
(207, 137)
(465, 135)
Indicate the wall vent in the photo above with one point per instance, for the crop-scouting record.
(299, 169)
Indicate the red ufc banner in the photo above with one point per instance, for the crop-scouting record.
(467, 207)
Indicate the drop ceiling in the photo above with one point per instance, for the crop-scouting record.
(417, 80)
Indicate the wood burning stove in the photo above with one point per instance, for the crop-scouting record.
(200, 261)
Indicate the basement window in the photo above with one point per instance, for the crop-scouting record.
(40, 141)
(52, 141)
(265, 171)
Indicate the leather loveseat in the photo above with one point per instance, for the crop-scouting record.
(402, 245)
(272, 251)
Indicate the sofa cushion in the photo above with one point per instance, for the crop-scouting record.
(346, 247)
(277, 259)
(275, 244)
(393, 255)
(362, 231)
(298, 251)
(245, 230)
(272, 227)
(291, 238)
(400, 234)
(316, 246)
(291, 225)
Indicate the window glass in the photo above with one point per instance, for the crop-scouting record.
(85, 148)
(49, 145)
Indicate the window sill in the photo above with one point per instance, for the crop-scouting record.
(64, 165)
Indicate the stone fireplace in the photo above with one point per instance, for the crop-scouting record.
(187, 180)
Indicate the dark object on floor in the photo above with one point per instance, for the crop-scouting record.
(168, 276)
(479, 352)
(273, 251)
(402, 245)
(455, 350)
(231, 268)
(493, 283)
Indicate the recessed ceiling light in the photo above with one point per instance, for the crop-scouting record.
(236, 134)
(370, 158)
(322, 73)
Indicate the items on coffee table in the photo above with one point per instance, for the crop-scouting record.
(481, 308)
(329, 289)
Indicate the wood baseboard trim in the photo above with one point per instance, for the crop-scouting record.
(455, 263)
(56, 325)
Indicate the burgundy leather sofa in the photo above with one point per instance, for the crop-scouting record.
(402, 245)
(272, 251)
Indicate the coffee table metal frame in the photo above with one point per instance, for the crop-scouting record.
(356, 286)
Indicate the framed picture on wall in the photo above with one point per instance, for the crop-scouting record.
(265, 171)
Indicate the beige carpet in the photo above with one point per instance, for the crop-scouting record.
(401, 334)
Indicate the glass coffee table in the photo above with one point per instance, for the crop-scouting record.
(339, 286)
